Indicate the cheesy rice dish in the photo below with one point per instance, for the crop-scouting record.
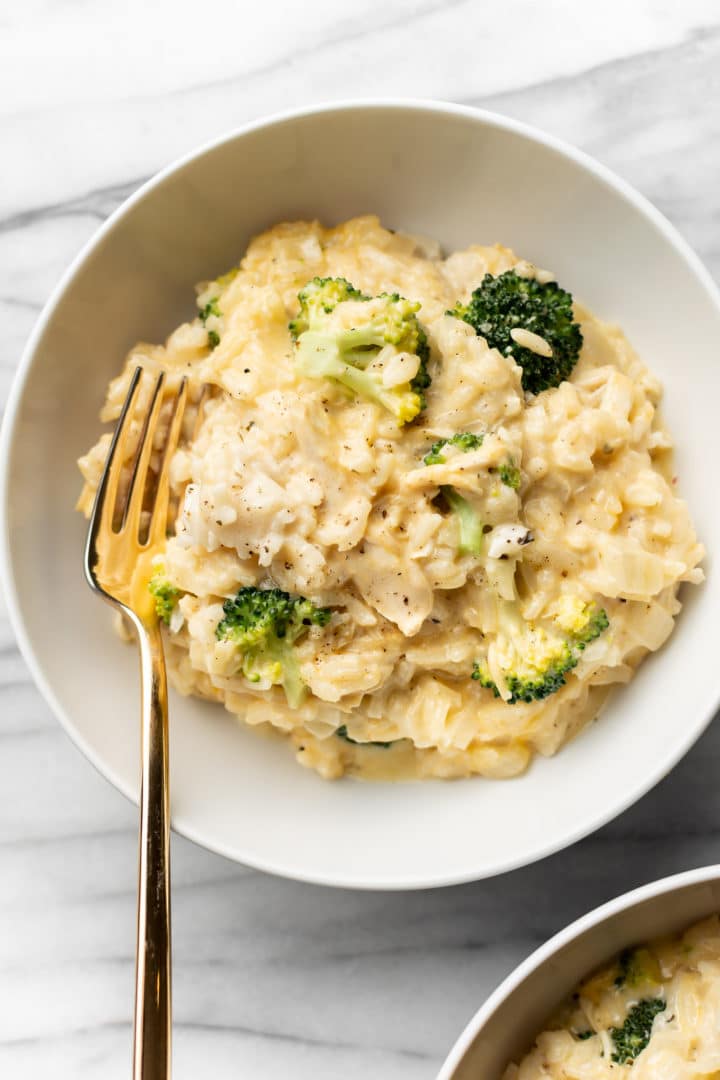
(655, 1009)
(457, 563)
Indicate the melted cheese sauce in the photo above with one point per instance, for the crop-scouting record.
(292, 482)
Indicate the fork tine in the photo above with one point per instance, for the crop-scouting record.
(106, 495)
(200, 403)
(159, 513)
(138, 480)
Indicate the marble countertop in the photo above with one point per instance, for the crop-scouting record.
(273, 978)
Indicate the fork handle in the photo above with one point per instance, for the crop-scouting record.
(153, 977)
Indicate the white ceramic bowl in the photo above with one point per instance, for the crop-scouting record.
(455, 174)
(505, 1026)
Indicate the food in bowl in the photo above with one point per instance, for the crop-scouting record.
(655, 1008)
(426, 510)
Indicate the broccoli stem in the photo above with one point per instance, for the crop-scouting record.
(277, 660)
(291, 681)
(360, 343)
(319, 356)
(471, 527)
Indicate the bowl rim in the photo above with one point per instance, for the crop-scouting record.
(484, 118)
(621, 903)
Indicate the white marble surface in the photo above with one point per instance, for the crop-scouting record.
(276, 979)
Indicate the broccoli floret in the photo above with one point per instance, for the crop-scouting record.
(211, 309)
(636, 967)
(471, 527)
(342, 733)
(464, 440)
(510, 302)
(338, 339)
(510, 475)
(166, 596)
(264, 625)
(535, 657)
(624, 967)
(320, 297)
(596, 623)
(481, 674)
(631, 1039)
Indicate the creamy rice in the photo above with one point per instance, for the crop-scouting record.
(596, 1035)
(290, 482)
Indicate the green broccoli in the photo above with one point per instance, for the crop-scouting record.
(636, 967)
(536, 656)
(470, 541)
(507, 303)
(336, 338)
(510, 474)
(631, 1039)
(318, 298)
(471, 527)
(464, 440)
(211, 309)
(625, 967)
(166, 596)
(595, 622)
(264, 625)
(342, 733)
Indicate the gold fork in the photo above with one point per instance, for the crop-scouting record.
(125, 529)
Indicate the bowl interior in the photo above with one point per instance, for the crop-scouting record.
(436, 170)
(504, 1029)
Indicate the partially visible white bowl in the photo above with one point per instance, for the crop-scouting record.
(461, 176)
(506, 1025)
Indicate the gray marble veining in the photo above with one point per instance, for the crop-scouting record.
(274, 978)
